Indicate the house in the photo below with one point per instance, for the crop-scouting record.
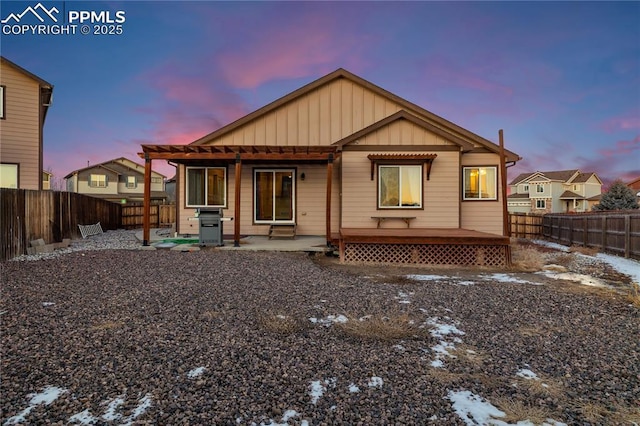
(47, 177)
(562, 191)
(24, 102)
(119, 180)
(382, 178)
(635, 186)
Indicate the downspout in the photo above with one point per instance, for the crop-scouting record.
(176, 186)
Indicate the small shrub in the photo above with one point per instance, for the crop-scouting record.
(587, 251)
(517, 411)
(634, 295)
(280, 323)
(381, 327)
(526, 258)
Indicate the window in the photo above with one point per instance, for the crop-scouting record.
(274, 195)
(2, 103)
(8, 176)
(539, 189)
(206, 186)
(98, 181)
(480, 183)
(541, 204)
(526, 188)
(399, 187)
(156, 180)
(131, 182)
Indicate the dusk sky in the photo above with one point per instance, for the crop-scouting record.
(561, 78)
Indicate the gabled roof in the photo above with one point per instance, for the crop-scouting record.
(558, 175)
(584, 177)
(46, 88)
(410, 107)
(115, 166)
(568, 195)
(518, 196)
(41, 81)
(404, 115)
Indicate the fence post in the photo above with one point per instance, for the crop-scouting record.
(627, 236)
(604, 233)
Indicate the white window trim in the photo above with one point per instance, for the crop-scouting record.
(2, 101)
(132, 185)
(400, 166)
(480, 198)
(206, 183)
(293, 197)
(544, 204)
(96, 183)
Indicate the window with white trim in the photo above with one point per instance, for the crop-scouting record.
(206, 187)
(399, 186)
(2, 102)
(541, 204)
(539, 189)
(480, 183)
(97, 181)
(132, 182)
(8, 176)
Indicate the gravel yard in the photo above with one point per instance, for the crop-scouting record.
(118, 336)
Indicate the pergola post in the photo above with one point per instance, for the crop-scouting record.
(506, 231)
(236, 219)
(146, 214)
(328, 203)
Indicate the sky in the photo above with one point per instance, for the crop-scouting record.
(562, 79)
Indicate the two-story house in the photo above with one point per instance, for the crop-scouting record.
(24, 101)
(562, 191)
(119, 180)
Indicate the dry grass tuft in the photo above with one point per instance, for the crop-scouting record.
(542, 386)
(281, 323)
(526, 258)
(446, 377)
(109, 325)
(616, 414)
(469, 355)
(634, 295)
(210, 315)
(517, 411)
(587, 251)
(563, 259)
(381, 327)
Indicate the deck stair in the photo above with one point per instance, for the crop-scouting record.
(282, 231)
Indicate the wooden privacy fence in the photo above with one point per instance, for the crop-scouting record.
(525, 225)
(162, 215)
(27, 215)
(613, 232)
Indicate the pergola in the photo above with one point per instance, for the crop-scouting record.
(235, 154)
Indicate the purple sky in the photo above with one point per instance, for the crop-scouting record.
(561, 78)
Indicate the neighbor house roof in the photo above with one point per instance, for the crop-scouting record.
(559, 175)
(451, 128)
(568, 195)
(114, 166)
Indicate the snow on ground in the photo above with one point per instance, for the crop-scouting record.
(46, 397)
(580, 278)
(329, 319)
(196, 372)
(626, 266)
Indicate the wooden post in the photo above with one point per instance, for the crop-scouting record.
(328, 204)
(503, 183)
(627, 236)
(236, 219)
(146, 220)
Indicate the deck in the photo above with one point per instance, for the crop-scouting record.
(423, 246)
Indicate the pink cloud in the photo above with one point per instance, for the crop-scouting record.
(628, 122)
(310, 45)
(623, 147)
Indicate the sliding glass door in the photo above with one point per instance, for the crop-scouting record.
(274, 195)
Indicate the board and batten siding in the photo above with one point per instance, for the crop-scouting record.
(310, 201)
(320, 117)
(20, 130)
(359, 193)
(483, 216)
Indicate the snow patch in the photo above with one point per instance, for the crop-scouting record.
(195, 372)
(318, 388)
(46, 397)
(426, 277)
(375, 382)
(329, 320)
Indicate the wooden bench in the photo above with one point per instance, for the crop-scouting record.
(406, 219)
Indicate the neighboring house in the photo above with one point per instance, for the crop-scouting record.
(563, 191)
(119, 180)
(46, 180)
(344, 158)
(635, 186)
(24, 101)
(170, 188)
